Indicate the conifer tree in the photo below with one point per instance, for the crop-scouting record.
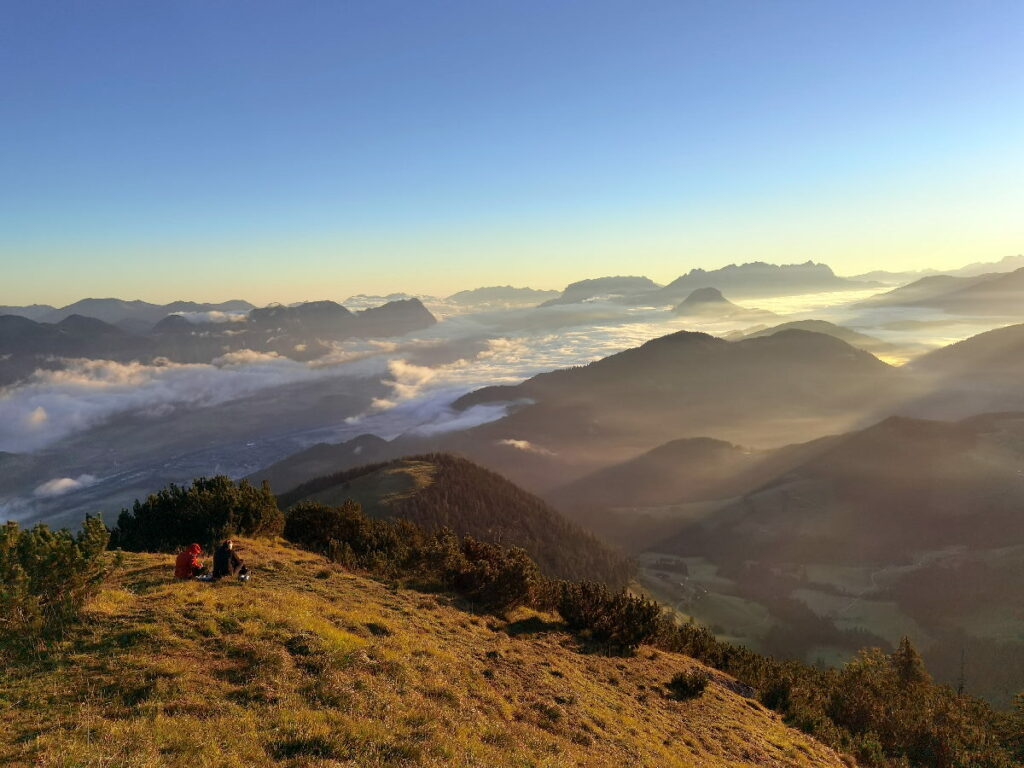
(909, 665)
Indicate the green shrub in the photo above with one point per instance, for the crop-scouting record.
(347, 536)
(495, 577)
(619, 619)
(687, 685)
(46, 577)
(208, 511)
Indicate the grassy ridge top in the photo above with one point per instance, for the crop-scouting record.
(378, 492)
(309, 665)
(441, 490)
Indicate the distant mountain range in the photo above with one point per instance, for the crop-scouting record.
(775, 387)
(605, 288)
(988, 294)
(754, 280)
(753, 391)
(758, 280)
(300, 332)
(769, 387)
(26, 345)
(1006, 264)
(502, 296)
(135, 315)
(567, 423)
(32, 312)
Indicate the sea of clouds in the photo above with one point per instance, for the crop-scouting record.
(417, 379)
(423, 372)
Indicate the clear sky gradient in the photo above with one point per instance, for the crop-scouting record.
(303, 150)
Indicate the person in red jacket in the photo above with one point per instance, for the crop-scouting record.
(188, 565)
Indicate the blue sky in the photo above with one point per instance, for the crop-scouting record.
(304, 150)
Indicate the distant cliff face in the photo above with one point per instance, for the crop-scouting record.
(754, 280)
(395, 318)
(759, 279)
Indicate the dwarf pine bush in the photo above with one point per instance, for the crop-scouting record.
(211, 509)
(619, 619)
(688, 685)
(497, 578)
(46, 576)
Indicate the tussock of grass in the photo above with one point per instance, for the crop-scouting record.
(299, 668)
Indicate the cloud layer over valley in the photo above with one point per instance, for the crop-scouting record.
(246, 409)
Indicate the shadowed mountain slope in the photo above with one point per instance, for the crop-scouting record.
(442, 491)
(988, 294)
(981, 374)
(923, 291)
(851, 337)
(881, 493)
(908, 527)
(568, 423)
(755, 392)
(692, 469)
(990, 353)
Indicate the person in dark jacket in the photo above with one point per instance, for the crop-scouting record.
(188, 565)
(226, 562)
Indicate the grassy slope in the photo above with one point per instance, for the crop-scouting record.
(309, 665)
(378, 491)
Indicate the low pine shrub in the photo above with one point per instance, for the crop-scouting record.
(347, 536)
(619, 619)
(497, 578)
(47, 576)
(209, 510)
(687, 685)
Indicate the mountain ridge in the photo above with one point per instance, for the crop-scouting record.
(438, 491)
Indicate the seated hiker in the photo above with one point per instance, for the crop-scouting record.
(188, 565)
(226, 562)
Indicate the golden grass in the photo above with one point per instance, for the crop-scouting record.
(378, 491)
(309, 665)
